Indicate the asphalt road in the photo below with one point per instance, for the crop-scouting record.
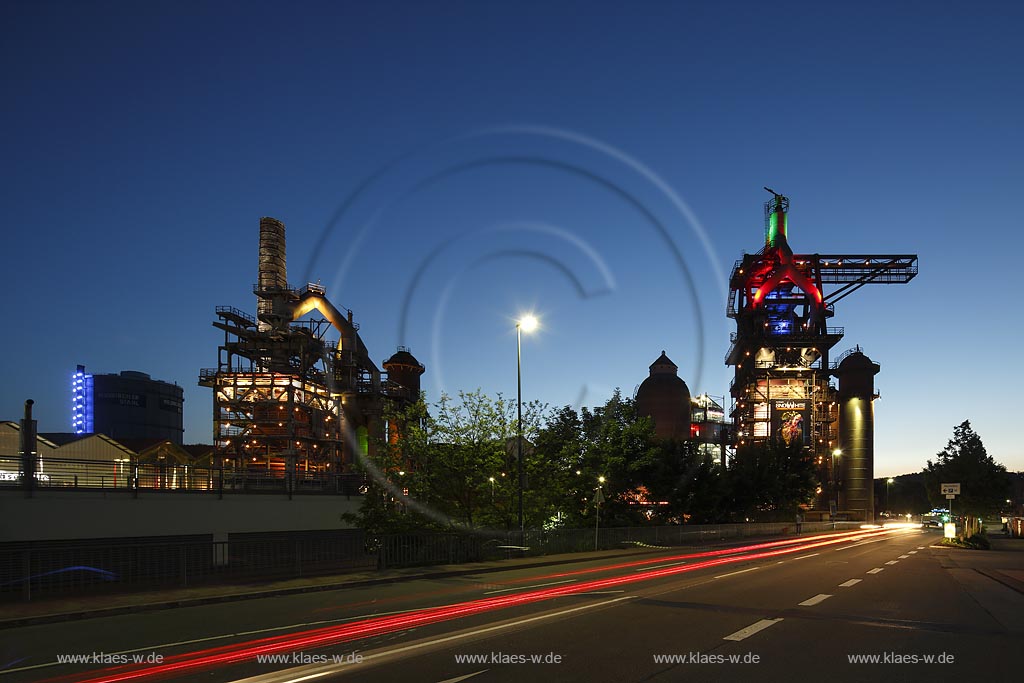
(774, 613)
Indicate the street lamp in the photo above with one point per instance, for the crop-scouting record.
(888, 482)
(491, 479)
(527, 324)
(598, 499)
(835, 482)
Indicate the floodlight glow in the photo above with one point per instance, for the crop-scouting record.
(528, 323)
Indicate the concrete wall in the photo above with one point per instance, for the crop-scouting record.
(65, 515)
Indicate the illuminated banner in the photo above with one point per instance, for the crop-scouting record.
(791, 421)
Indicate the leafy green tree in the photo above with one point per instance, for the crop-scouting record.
(575, 449)
(770, 480)
(449, 465)
(689, 480)
(984, 483)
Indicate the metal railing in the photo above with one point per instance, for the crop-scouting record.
(37, 570)
(31, 571)
(130, 475)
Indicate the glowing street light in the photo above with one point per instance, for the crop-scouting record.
(527, 324)
(835, 483)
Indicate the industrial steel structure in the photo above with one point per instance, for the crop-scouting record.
(288, 401)
(781, 348)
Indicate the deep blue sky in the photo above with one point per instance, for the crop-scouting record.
(565, 157)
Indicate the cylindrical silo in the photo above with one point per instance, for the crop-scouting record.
(856, 463)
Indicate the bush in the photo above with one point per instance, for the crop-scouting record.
(978, 541)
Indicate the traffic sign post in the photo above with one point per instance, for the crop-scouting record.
(951, 491)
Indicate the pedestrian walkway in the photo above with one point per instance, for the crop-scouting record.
(994, 578)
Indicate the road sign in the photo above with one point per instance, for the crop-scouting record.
(950, 489)
(950, 496)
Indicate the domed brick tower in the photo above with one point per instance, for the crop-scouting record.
(665, 398)
(404, 370)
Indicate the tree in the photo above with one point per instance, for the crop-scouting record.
(575, 449)
(770, 480)
(984, 483)
(688, 480)
(449, 465)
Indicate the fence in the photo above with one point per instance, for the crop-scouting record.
(34, 570)
(131, 475)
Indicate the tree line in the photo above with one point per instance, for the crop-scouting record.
(453, 465)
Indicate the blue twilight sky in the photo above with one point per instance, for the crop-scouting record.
(443, 166)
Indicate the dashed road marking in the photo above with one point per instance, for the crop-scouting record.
(536, 585)
(659, 566)
(752, 629)
(892, 561)
(742, 571)
(851, 582)
(876, 570)
(809, 602)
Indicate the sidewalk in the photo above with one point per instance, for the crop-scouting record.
(1004, 563)
(994, 578)
(50, 610)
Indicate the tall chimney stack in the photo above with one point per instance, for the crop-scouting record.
(27, 447)
(273, 271)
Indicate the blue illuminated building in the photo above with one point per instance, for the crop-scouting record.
(128, 405)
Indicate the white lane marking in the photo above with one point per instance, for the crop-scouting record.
(462, 678)
(870, 540)
(876, 570)
(536, 585)
(317, 670)
(498, 627)
(912, 552)
(742, 571)
(809, 602)
(601, 592)
(920, 547)
(892, 561)
(903, 557)
(851, 582)
(804, 557)
(659, 566)
(752, 629)
(309, 677)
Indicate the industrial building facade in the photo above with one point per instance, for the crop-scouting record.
(782, 386)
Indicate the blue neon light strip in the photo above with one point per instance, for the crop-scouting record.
(82, 419)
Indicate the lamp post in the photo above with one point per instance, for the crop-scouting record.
(888, 482)
(491, 479)
(525, 324)
(835, 485)
(598, 499)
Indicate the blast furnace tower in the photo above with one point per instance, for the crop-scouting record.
(288, 402)
(781, 347)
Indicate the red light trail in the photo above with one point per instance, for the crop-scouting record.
(193, 662)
